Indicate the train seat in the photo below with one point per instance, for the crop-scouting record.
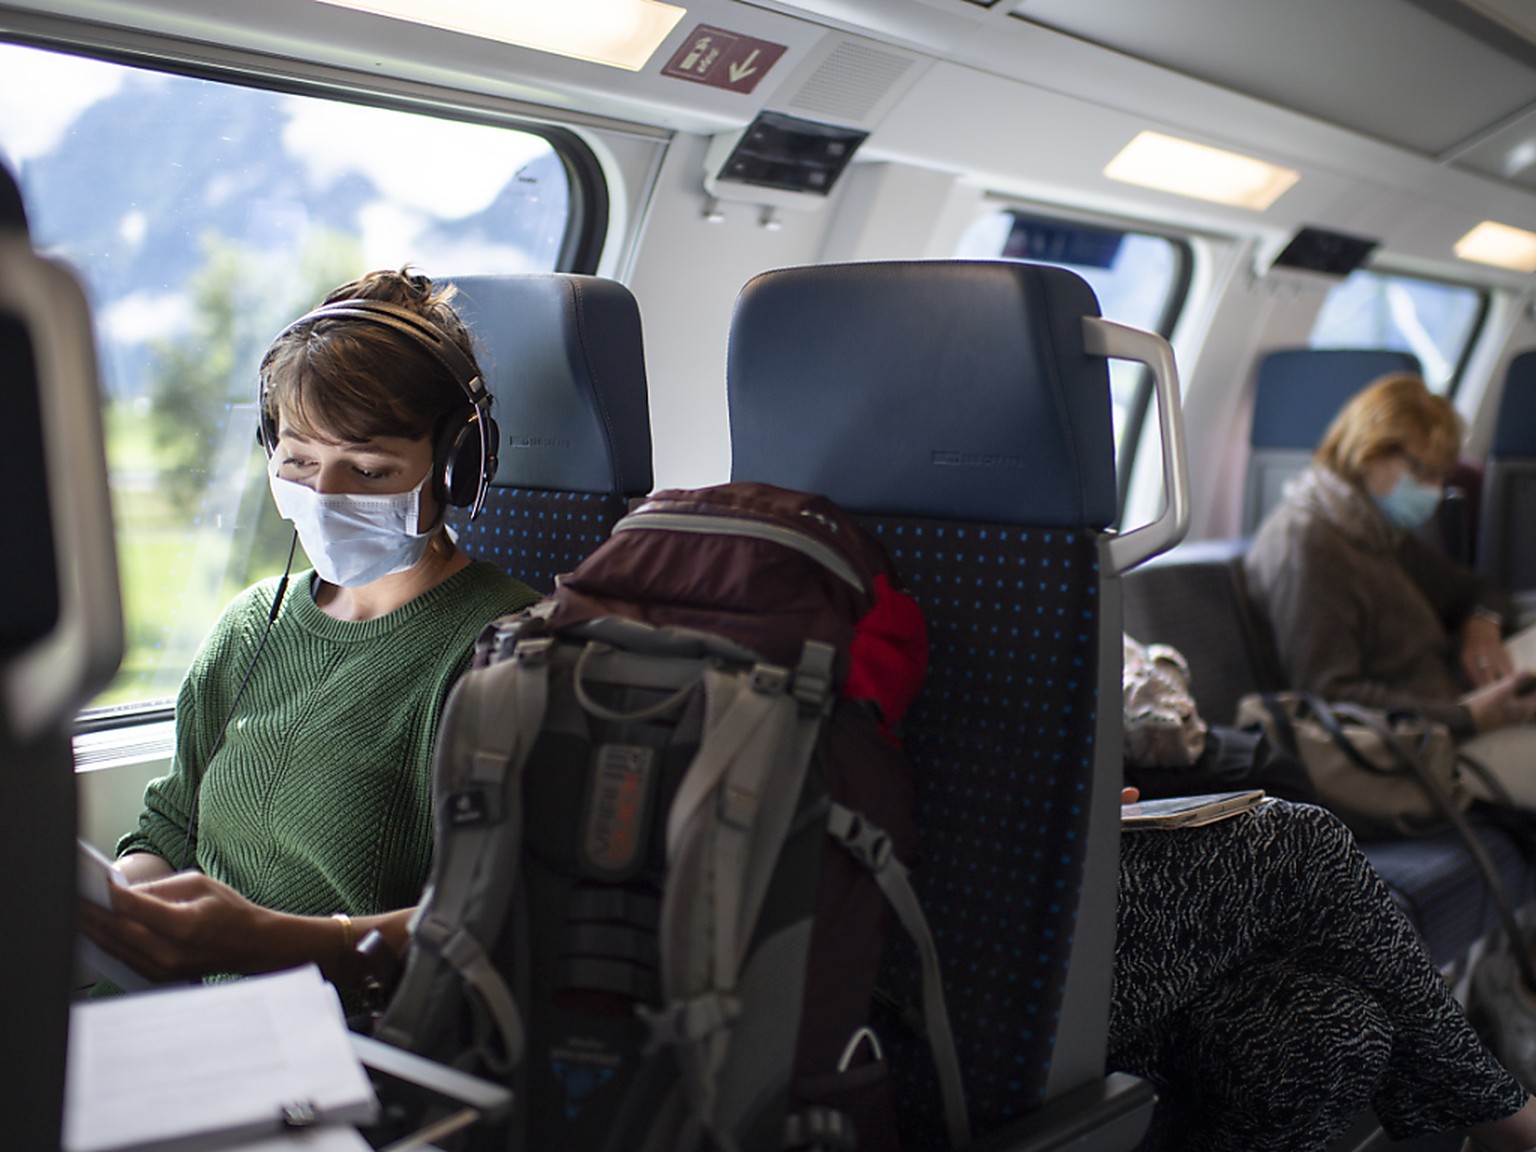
(1506, 547)
(1195, 598)
(1298, 393)
(954, 408)
(563, 355)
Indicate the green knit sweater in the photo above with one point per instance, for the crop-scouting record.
(319, 799)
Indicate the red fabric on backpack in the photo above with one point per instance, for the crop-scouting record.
(888, 658)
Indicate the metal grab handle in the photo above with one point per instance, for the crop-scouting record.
(1120, 342)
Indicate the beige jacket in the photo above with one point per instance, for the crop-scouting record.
(1362, 611)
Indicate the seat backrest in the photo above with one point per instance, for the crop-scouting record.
(1195, 598)
(563, 356)
(1298, 393)
(954, 407)
(1506, 547)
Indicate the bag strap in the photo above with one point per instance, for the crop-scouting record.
(491, 722)
(1447, 808)
(1285, 731)
(871, 847)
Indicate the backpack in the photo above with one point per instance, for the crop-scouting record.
(670, 821)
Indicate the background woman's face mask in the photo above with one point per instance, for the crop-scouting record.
(353, 539)
(1410, 503)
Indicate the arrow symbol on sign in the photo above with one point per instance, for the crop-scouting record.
(740, 72)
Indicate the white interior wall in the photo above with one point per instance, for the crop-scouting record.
(687, 272)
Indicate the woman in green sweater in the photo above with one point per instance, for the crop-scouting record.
(296, 816)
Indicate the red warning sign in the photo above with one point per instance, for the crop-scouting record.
(723, 59)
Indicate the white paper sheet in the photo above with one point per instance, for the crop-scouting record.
(205, 1066)
(1522, 649)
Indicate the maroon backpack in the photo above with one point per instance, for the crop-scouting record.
(670, 828)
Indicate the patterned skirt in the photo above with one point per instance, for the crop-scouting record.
(1268, 985)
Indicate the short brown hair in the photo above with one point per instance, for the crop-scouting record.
(1393, 413)
(354, 380)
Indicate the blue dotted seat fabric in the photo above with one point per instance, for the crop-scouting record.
(1002, 740)
(537, 535)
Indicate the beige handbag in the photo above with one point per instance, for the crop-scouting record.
(1163, 728)
(1385, 774)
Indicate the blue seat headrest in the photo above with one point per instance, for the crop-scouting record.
(1514, 433)
(1300, 390)
(563, 356)
(948, 389)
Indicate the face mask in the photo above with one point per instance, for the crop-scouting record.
(353, 539)
(1410, 503)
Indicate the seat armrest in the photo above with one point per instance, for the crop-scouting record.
(1109, 1115)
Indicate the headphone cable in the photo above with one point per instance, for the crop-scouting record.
(218, 742)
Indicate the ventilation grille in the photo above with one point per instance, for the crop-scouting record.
(851, 81)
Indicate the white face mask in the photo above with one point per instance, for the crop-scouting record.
(353, 539)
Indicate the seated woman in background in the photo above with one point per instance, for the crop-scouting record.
(1364, 610)
(296, 816)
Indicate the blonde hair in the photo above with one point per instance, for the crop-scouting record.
(1394, 413)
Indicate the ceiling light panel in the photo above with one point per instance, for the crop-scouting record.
(1499, 245)
(1168, 164)
(618, 33)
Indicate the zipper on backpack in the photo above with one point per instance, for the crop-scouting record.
(827, 557)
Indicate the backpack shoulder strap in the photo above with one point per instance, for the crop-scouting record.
(489, 726)
(871, 847)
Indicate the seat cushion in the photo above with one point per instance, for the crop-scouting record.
(1439, 887)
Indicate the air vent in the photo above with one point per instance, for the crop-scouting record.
(850, 83)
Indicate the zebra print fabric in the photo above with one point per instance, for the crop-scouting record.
(1267, 984)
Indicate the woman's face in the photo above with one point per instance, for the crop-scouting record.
(1381, 475)
(382, 466)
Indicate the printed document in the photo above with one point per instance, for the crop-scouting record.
(210, 1065)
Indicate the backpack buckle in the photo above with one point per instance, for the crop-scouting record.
(813, 677)
(689, 1021)
(868, 843)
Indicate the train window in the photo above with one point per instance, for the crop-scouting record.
(1435, 321)
(203, 215)
(1140, 278)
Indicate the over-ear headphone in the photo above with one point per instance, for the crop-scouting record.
(465, 450)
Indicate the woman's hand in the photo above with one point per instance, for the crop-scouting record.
(189, 925)
(1501, 703)
(1483, 656)
(185, 926)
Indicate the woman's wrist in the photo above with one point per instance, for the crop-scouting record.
(1488, 615)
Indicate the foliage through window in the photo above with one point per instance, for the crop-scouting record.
(203, 216)
(1436, 322)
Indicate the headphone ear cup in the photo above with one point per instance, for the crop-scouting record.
(459, 466)
(266, 431)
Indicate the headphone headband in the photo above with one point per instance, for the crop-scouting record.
(432, 340)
